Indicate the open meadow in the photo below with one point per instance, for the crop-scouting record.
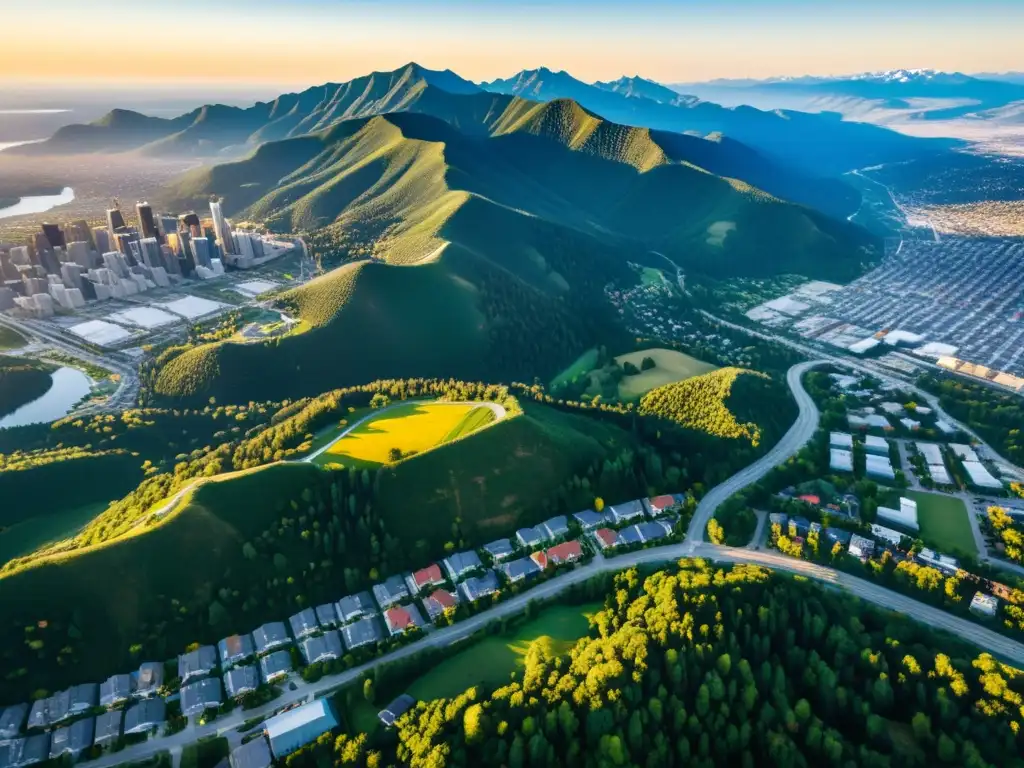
(670, 366)
(410, 428)
(944, 523)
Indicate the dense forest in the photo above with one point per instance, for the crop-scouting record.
(996, 416)
(709, 666)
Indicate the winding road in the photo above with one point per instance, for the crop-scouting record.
(693, 546)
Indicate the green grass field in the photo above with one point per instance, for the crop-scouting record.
(10, 339)
(652, 276)
(670, 366)
(29, 535)
(580, 367)
(944, 523)
(205, 753)
(409, 427)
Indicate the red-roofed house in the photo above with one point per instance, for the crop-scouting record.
(659, 504)
(569, 552)
(541, 559)
(606, 537)
(810, 498)
(402, 618)
(438, 601)
(429, 576)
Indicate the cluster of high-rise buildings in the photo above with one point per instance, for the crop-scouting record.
(67, 267)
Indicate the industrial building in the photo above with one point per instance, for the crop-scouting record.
(840, 460)
(984, 605)
(980, 476)
(297, 727)
(876, 445)
(948, 565)
(842, 440)
(905, 516)
(879, 466)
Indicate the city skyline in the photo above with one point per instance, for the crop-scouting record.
(314, 41)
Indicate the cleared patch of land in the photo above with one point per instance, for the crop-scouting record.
(944, 523)
(581, 367)
(670, 366)
(409, 428)
(652, 276)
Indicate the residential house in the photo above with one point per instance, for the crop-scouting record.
(271, 636)
(461, 564)
(304, 623)
(363, 632)
(653, 530)
(327, 615)
(391, 591)
(116, 689)
(540, 557)
(400, 619)
(325, 647)
(12, 719)
(235, 649)
(149, 679)
(517, 570)
(198, 663)
(530, 538)
(499, 549)
(861, 547)
(984, 605)
(659, 504)
(606, 538)
(108, 727)
(239, 681)
(476, 587)
(890, 536)
(72, 739)
(589, 519)
(275, 665)
(778, 518)
(838, 536)
(623, 513)
(629, 536)
(356, 606)
(430, 576)
(145, 716)
(799, 526)
(252, 754)
(438, 601)
(555, 527)
(569, 552)
(27, 751)
(200, 696)
(396, 709)
(82, 698)
(295, 728)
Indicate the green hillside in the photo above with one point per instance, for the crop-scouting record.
(22, 381)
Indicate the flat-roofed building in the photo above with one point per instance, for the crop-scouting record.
(984, 605)
(297, 727)
(861, 547)
(980, 476)
(840, 460)
(931, 452)
(945, 563)
(905, 516)
(963, 452)
(842, 440)
(876, 445)
(879, 466)
(888, 535)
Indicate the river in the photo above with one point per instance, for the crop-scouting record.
(69, 386)
(38, 203)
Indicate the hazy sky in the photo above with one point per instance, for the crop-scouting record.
(304, 42)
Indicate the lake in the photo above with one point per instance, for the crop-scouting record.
(69, 386)
(38, 203)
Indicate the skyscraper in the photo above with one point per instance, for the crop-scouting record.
(190, 222)
(115, 220)
(223, 230)
(150, 250)
(201, 251)
(54, 235)
(147, 222)
(101, 237)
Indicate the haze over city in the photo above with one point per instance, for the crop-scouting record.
(311, 41)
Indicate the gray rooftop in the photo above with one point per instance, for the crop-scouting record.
(390, 591)
(459, 563)
(82, 697)
(200, 695)
(531, 537)
(12, 719)
(26, 751)
(303, 623)
(628, 510)
(108, 726)
(556, 526)
(201, 661)
(254, 754)
(356, 606)
(274, 664)
(150, 677)
(327, 615)
(235, 648)
(323, 647)
(652, 531)
(145, 715)
(396, 709)
(476, 587)
(72, 738)
(271, 635)
(630, 535)
(521, 568)
(240, 680)
(589, 519)
(365, 631)
(115, 689)
(499, 549)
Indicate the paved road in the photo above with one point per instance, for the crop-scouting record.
(498, 411)
(803, 428)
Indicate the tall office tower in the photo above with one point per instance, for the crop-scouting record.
(8, 269)
(169, 260)
(19, 255)
(101, 237)
(223, 230)
(123, 242)
(71, 275)
(54, 235)
(6, 299)
(78, 252)
(147, 222)
(190, 221)
(78, 231)
(151, 255)
(166, 225)
(201, 251)
(50, 261)
(115, 221)
(115, 262)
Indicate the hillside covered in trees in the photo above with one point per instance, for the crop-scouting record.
(21, 381)
(710, 666)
